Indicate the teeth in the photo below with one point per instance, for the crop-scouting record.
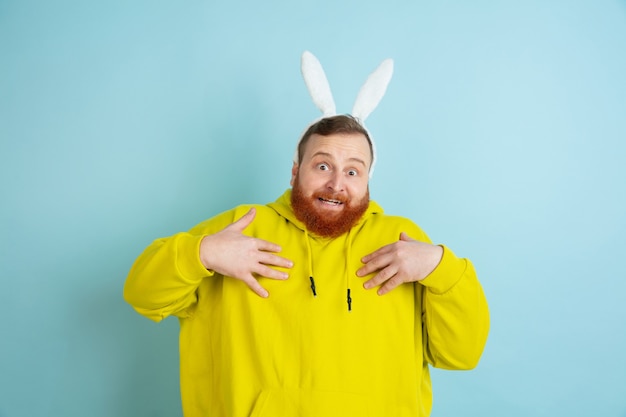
(334, 202)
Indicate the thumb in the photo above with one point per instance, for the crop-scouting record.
(406, 238)
(244, 221)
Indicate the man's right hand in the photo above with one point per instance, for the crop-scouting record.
(231, 253)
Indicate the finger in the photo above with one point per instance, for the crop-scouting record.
(254, 285)
(374, 264)
(275, 260)
(244, 221)
(381, 251)
(383, 276)
(365, 270)
(406, 238)
(264, 245)
(267, 272)
(390, 284)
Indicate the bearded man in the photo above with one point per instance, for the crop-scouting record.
(317, 304)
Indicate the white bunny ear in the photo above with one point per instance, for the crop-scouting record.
(317, 84)
(373, 90)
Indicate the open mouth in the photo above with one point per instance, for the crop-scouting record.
(330, 201)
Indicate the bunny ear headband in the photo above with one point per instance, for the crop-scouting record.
(368, 98)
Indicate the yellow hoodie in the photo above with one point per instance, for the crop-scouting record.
(296, 354)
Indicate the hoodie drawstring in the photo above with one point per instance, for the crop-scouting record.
(348, 253)
(310, 259)
(347, 266)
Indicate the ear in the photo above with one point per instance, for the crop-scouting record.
(294, 171)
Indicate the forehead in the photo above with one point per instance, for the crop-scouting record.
(339, 145)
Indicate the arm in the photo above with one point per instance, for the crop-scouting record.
(164, 279)
(455, 316)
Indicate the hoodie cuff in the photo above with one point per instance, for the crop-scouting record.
(446, 274)
(188, 258)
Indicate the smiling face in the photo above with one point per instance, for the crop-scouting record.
(330, 185)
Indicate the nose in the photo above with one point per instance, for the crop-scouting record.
(335, 182)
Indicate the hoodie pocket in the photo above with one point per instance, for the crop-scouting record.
(313, 403)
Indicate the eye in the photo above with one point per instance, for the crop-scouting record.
(353, 173)
(323, 167)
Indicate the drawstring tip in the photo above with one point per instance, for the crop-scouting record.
(313, 286)
(349, 299)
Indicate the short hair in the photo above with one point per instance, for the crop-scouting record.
(343, 123)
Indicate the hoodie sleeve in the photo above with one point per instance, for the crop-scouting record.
(455, 316)
(164, 278)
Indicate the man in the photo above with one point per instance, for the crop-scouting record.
(317, 304)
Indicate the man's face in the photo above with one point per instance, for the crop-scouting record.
(330, 186)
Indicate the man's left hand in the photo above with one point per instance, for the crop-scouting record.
(406, 260)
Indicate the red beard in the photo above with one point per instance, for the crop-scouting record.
(325, 224)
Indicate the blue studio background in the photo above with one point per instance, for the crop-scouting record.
(503, 134)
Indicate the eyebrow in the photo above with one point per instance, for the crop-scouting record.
(321, 153)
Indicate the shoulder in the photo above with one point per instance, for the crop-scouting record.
(264, 214)
(394, 224)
